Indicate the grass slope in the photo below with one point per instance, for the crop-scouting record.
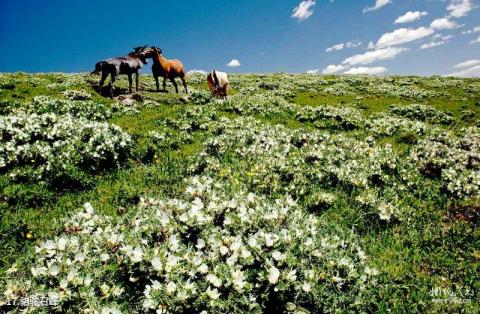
(434, 243)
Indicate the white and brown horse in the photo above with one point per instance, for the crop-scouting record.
(218, 83)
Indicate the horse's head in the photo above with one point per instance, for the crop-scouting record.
(151, 52)
(139, 53)
(138, 50)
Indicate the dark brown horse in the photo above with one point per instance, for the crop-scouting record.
(128, 65)
(165, 68)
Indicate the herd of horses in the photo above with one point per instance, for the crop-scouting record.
(162, 68)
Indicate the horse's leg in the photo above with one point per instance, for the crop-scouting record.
(112, 81)
(225, 89)
(104, 77)
(174, 84)
(112, 78)
(165, 84)
(136, 81)
(184, 83)
(211, 85)
(157, 83)
(129, 83)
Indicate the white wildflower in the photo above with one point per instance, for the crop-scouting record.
(214, 280)
(306, 287)
(157, 264)
(212, 293)
(171, 287)
(273, 275)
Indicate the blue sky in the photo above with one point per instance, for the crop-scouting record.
(263, 36)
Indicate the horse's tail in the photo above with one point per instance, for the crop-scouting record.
(98, 67)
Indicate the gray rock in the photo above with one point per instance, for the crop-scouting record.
(128, 102)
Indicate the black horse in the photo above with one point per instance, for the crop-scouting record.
(128, 65)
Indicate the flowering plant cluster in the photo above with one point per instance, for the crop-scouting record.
(423, 113)
(455, 159)
(211, 249)
(77, 108)
(200, 96)
(346, 117)
(10, 81)
(62, 81)
(389, 125)
(299, 162)
(52, 81)
(48, 146)
(395, 90)
(340, 89)
(265, 104)
(74, 94)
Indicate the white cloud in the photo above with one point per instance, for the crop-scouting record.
(446, 37)
(443, 23)
(410, 17)
(459, 8)
(473, 30)
(366, 70)
(348, 44)
(314, 71)
(335, 47)
(475, 41)
(304, 10)
(353, 43)
(438, 40)
(196, 71)
(470, 72)
(373, 56)
(403, 35)
(332, 68)
(433, 44)
(378, 5)
(467, 64)
(233, 63)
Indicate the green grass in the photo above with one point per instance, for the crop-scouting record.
(433, 245)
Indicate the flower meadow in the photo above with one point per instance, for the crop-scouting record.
(297, 194)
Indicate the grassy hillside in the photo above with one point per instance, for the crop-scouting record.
(301, 194)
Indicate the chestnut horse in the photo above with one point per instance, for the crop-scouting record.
(165, 68)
